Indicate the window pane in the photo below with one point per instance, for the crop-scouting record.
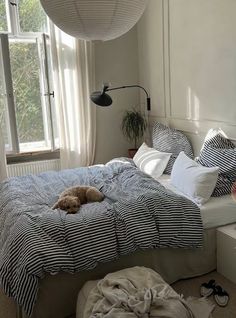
(3, 16)
(26, 82)
(32, 16)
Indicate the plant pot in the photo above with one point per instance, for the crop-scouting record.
(132, 152)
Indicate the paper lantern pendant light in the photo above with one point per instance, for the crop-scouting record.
(94, 19)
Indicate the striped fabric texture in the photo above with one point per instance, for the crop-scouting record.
(170, 140)
(137, 213)
(218, 150)
(223, 186)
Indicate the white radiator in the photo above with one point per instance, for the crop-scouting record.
(33, 167)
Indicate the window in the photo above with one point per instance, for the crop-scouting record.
(27, 107)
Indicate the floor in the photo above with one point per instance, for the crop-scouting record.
(190, 287)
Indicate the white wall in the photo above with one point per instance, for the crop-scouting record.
(117, 63)
(150, 49)
(187, 59)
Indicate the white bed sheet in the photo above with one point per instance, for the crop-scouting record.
(218, 211)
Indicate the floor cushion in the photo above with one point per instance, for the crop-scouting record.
(137, 292)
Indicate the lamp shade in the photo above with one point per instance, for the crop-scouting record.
(94, 19)
(101, 99)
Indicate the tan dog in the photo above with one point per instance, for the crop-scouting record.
(71, 199)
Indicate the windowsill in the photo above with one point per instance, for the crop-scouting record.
(33, 156)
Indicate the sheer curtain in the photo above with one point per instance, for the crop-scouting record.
(73, 72)
(3, 165)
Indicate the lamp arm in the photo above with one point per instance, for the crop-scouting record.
(127, 86)
(106, 89)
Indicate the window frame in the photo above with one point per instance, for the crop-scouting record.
(4, 45)
(46, 91)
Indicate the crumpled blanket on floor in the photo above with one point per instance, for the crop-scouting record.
(139, 292)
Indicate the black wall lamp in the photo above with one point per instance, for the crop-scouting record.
(101, 98)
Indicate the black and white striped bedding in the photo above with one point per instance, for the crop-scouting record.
(137, 213)
(219, 151)
(170, 140)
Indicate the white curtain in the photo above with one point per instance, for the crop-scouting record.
(73, 72)
(3, 165)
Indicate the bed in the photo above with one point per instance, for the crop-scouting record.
(58, 290)
(58, 286)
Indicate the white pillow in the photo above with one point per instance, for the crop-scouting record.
(151, 161)
(194, 180)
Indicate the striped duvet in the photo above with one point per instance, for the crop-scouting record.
(137, 213)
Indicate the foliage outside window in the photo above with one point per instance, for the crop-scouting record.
(26, 95)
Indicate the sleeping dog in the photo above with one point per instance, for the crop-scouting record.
(71, 199)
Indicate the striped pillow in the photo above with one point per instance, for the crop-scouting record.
(223, 186)
(170, 140)
(218, 150)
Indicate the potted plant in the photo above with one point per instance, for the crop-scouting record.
(133, 127)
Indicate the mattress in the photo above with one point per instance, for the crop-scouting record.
(218, 211)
